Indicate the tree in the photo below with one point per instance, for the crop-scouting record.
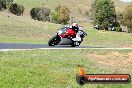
(17, 9)
(4, 4)
(127, 18)
(40, 14)
(61, 15)
(104, 13)
(55, 17)
(119, 16)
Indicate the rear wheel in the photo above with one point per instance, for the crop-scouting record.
(74, 44)
(54, 40)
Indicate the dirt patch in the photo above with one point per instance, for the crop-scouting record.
(130, 55)
(114, 60)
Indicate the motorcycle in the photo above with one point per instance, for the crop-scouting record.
(66, 36)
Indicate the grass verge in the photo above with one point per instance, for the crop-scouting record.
(57, 69)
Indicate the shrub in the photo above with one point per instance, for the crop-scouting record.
(127, 18)
(101, 27)
(4, 4)
(118, 29)
(1, 8)
(115, 24)
(55, 17)
(40, 14)
(16, 9)
(61, 15)
(129, 27)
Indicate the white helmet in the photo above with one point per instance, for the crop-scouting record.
(74, 25)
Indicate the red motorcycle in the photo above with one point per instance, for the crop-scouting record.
(67, 36)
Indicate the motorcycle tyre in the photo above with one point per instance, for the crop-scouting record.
(53, 38)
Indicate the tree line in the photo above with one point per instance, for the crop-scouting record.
(103, 13)
(14, 8)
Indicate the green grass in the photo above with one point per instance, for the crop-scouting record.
(108, 39)
(29, 4)
(57, 69)
(24, 29)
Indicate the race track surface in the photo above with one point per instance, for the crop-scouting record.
(37, 46)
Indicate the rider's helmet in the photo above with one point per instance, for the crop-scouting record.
(75, 26)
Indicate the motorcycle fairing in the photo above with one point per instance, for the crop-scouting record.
(68, 33)
(65, 41)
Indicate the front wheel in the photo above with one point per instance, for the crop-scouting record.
(54, 40)
(73, 44)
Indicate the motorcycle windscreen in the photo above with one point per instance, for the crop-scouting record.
(63, 30)
(65, 41)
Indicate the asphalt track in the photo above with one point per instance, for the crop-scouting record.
(24, 46)
(38, 46)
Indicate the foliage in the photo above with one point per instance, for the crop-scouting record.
(104, 13)
(40, 14)
(128, 18)
(119, 17)
(61, 15)
(4, 4)
(118, 29)
(55, 17)
(16, 9)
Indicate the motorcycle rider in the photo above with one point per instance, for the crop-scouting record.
(68, 35)
(76, 28)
